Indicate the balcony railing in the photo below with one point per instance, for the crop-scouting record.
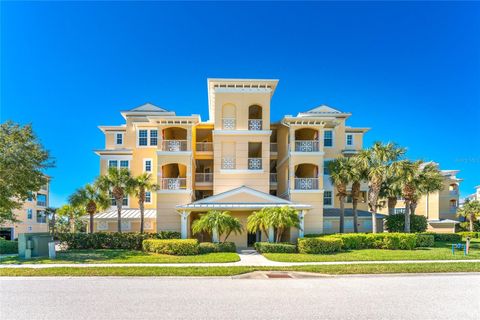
(453, 192)
(204, 146)
(202, 177)
(273, 177)
(228, 123)
(254, 124)
(228, 163)
(254, 163)
(306, 183)
(306, 145)
(453, 209)
(173, 183)
(174, 145)
(273, 147)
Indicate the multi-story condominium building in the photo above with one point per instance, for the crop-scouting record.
(439, 207)
(31, 216)
(237, 161)
(474, 196)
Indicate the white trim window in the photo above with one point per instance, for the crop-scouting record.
(119, 164)
(29, 214)
(147, 137)
(113, 202)
(147, 165)
(327, 198)
(126, 225)
(153, 137)
(118, 138)
(124, 164)
(399, 210)
(349, 140)
(143, 137)
(102, 225)
(148, 197)
(326, 171)
(328, 138)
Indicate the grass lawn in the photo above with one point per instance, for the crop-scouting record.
(123, 256)
(230, 271)
(441, 251)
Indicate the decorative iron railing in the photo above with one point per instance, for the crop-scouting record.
(173, 183)
(306, 145)
(254, 163)
(306, 183)
(254, 124)
(174, 145)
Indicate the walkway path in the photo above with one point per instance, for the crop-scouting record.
(247, 259)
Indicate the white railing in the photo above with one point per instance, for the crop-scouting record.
(228, 123)
(204, 146)
(254, 163)
(453, 192)
(202, 177)
(228, 163)
(174, 145)
(173, 183)
(273, 177)
(306, 145)
(306, 183)
(254, 124)
(273, 147)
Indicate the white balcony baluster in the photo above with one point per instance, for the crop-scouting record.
(306, 145)
(254, 163)
(254, 124)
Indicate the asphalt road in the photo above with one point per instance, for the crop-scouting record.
(347, 297)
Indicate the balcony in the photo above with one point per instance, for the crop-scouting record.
(454, 192)
(202, 177)
(174, 145)
(254, 163)
(173, 183)
(228, 123)
(204, 146)
(255, 124)
(273, 147)
(453, 209)
(306, 146)
(306, 183)
(273, 178)
(228, 163)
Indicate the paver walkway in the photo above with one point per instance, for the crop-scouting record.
(247, 259)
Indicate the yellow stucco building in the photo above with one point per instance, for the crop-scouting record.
(237, 161)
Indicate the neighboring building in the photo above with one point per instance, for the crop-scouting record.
(32, 216)
(474, 196)
(440, 207)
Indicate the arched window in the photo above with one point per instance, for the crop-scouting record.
(254, 117)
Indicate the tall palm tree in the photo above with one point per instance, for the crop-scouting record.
(92, 198)
(429, 180)
(71, 213)
(259, 221)
(141, 185)
(471, 211)
(374, 163)
(408, 172)
(282, 219)
(341, 170)
(217, 223)
(51, 212)
(120, 183)
(391, 189)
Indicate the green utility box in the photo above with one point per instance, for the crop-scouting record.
(33, 244)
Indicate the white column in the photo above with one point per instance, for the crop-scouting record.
(184, 218)
(215, 235)
(271, 234)
(301, 230)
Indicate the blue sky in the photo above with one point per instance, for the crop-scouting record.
(410, 71)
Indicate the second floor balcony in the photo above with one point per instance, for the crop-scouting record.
(254, 163)
(204, 146)
(204, 177)
(306, 184)
(173, 183)
(228, 163)
(254, 124)
(174, 145)
(229, 123)
(307, 145)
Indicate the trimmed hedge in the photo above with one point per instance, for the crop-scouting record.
(314, 235)
(8, 247)
(472, 235)
(446, 237)
(391, 241)
(396, 223)
(111, 240)
(425, 240)
(179, 247)
(319, 245)
(268, 247)
(209, 247)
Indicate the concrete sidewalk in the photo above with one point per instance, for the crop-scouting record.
(246, 260)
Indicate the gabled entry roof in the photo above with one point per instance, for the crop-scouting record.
(242, 198)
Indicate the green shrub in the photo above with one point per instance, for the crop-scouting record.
(425, 240)
(355, 241)
(393, 241)
(178, 247)
(396, 223)
(319, 245)
(8, 247)
(209, 247)
(111, 240)
(472, 235)
(446, 237)
(206, 247)
(268, 247)
(314, 235)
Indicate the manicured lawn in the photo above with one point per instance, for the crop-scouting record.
(124, 256)
(230, 271)
(441, 251)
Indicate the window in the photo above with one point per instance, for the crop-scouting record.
(113, 202)
(399, 210)
(362, 197)
(142, 137)
(326, 171)
(348, 223)
(29, 214)
(30, 196)
(148, 197)
(41, 200)
(124, 164)
(349, 139)
(327, 198)
(348, 198)
(102, 225)
(112, 163)
(119, 138)
(148, 225)
(153, 137)
(328, 138)
(126, 225)
(147, 165)
(41, 216)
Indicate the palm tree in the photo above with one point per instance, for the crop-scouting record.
(391, 189)
(92, 198)
(217, 223)
(341, 170)
(374, 163)
(408, 172)
(120, 183)
(141, 185)
(429, 180)
(282, 219)
(51, 212)
(356, 177)
(71, 213)
(259, 221)
(471, 211)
